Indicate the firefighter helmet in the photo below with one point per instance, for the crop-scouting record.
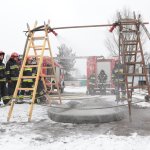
(14, 54)
(2, 53)
(29, 58)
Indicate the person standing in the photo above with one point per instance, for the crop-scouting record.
(118, 78)
(92, 80)
(27, 82)
(102, 77)
(12, 73)
(3, 91)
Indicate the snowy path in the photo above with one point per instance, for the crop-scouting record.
(43, 134)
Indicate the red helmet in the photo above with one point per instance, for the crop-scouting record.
(29, 58)
(2, 53)
(14, 55)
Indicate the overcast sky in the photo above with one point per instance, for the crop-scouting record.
(14, 15)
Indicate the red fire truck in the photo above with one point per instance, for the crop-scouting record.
(97, 65)
(49, 71)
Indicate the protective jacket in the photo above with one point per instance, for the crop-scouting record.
(2, 72)
(102, 77)
(3, 90)
(117, 74)
(28, 72)
(92, 79)
(12, 70)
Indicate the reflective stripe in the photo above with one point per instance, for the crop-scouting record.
(91, 83)
(14, 67)
(118, 70)
(6, 97)
(10, 96)
(41, 93)
(7, 72)
(21, 96)
(3, 80)
(14, 78)
(28, 69)
(27, 80)
(2, 67)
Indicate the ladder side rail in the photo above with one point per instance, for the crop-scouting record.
(144, 67)
(53, 66)
(36, 81)
(135, 59)
(19, 80)
(35, 52)
(145, 29)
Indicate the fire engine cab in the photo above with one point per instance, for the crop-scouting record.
(99, 72)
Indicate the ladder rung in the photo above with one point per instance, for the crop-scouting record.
(39, 38)
(132, 52)
(129, 31)
(136, 87)
(31, 89)
(134, 74)
(132, 63)
(28, 77)
(47, 67)
(131, 41)
(44, 75)
(39, 47)
(129, 44)
(30, 66)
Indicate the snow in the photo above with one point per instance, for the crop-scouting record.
(44, 134)
(71, 89)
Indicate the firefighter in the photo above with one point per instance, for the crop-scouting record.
(41, 95)
(3, 91)
(102, 77)
(119, 81)
(27, 83)
(12, 73)
(92, 79)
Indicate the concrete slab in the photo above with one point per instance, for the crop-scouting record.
(90, 111)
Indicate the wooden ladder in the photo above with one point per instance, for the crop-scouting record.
(37, 44)
(131, 54)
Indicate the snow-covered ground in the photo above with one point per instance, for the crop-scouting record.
(44, 134)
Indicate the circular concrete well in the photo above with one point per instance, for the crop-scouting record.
(91, 111)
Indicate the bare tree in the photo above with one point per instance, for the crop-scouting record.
(147, 58)
(112, 43)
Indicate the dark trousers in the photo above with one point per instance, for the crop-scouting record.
(26, 85)
(40, 88)
(11, 88)
(91, 89)
(3, 92)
